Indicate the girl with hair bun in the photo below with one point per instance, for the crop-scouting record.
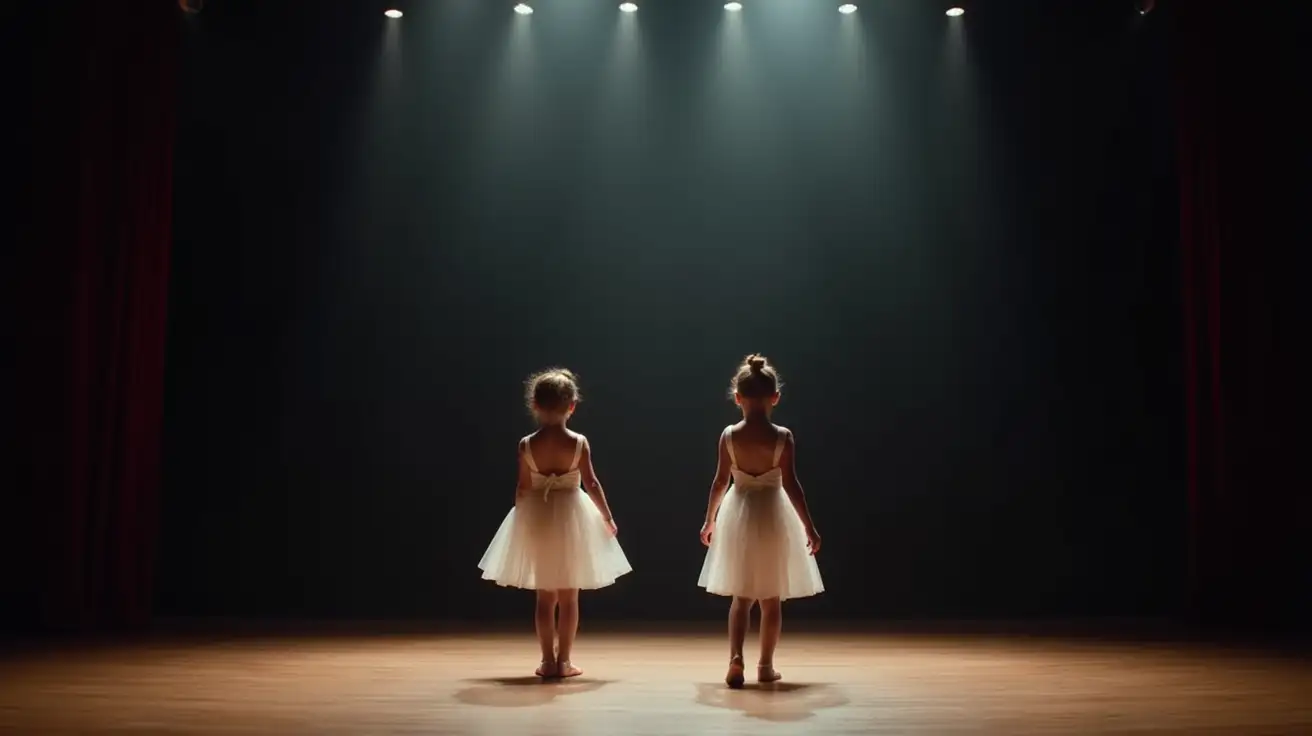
(760, 537)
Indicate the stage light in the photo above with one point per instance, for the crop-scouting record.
(954, 12)
(847, 9)
(629, 8)
(733, 7)
(393, 13)
(523, 9)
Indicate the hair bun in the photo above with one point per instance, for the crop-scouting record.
(755, 378)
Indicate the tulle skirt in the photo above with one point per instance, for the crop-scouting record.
(758, 549)
(554, 542)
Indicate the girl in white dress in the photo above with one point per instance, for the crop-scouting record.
(560, 536)
(762, 542)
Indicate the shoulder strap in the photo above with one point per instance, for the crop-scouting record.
(778, 449)
(728, 443)
(528, 456)
(578, 452)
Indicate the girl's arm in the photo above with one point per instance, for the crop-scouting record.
(592, 485)
(793, 487)
(718, 487)
(525, 481)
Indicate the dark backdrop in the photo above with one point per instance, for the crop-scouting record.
(957, 246)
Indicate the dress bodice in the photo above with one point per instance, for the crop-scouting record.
(545, 483)
(745, 481)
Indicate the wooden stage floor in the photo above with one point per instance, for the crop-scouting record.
(650, 683)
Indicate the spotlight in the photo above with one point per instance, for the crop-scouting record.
(733, 7)
(847, 9)
(393, 13)
(629, 8)
(955, 12)
(1145, 6)
(191, 7)
(523, 9)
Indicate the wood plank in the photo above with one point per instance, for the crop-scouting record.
(482, 684)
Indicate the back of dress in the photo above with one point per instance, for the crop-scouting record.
(554, 538)
(772, 478)
(545, 483)
(759, 547)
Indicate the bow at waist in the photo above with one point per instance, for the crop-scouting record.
(566, 482)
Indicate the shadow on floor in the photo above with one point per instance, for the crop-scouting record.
(779, 701)
(524, 692)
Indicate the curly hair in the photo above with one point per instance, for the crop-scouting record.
(552, 391)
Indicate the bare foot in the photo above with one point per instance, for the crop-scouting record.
(767, 673)
(565, 669)
(546, 669)
(734, 678)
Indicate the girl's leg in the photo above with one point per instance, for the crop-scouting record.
(569, 626)
(772, 623)
(544, 619)
(740, 613)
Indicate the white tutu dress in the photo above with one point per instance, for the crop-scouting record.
(759, 550)
(554, 537)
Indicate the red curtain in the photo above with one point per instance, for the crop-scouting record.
(1248, 497)
(94, 281)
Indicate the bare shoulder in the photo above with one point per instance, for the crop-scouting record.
(784, 432)
(728, 432)
(578, 437)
